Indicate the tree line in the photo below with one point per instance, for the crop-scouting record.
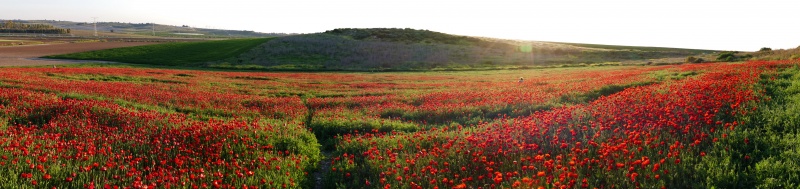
(12, 27)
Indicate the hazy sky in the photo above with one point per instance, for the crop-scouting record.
(703, 24)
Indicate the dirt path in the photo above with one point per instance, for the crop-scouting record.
(29, 55)
(324, 168)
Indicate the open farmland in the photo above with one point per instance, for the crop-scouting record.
(646, 126)
(171, 54)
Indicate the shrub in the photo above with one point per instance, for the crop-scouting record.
(730, 56)
(693, 59)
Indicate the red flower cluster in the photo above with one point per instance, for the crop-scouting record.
(74, 143)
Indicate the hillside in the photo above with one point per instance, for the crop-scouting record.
(115, 29)
(778, 54)
(389, 49)
(409, 49)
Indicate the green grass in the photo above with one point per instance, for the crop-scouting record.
(578, 98)
(769, 157)
(665, 75)
(171, 54)
(113, 78)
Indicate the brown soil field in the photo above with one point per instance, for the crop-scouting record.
(28, 55)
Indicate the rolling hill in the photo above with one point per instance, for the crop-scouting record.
(410, 49)
(388, 49)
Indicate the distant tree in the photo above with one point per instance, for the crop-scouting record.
(765, 49)
(9, 24)
(728, 56)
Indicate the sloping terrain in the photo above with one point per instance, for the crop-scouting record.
(778, 54)
(409, 49)
(385, 49)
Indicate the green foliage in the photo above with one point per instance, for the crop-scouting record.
(408, 35)
(292, 138)
(732, 56)
(171, 54)
(578, 98)
(3, 123)
(765, 49)
(112, 78)
(693, 59)
(671, 75)
(12, 27)
(763, 152)
(41, 115)
(327, 129)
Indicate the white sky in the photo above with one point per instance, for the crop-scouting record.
(702, 24)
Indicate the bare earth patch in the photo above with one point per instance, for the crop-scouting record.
(29, 55)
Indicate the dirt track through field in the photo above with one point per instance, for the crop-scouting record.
(29, 55)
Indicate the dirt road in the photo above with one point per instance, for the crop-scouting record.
(28, 55)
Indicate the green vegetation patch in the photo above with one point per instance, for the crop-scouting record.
(733, 56)
(407, 35)
(7, 85)
(672, 75)
(763, 152)
(171, 54)
(112, 78)
(3, 123)
(252, 78)
(327, 129)
(578, 98)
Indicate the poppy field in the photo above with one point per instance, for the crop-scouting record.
(673, 126)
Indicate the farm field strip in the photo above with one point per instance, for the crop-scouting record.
(82, 126)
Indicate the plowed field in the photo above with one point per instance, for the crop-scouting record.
(28, 55)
